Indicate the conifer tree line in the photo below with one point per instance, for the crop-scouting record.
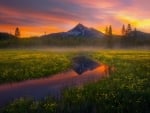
(125, 31)
(108, 31)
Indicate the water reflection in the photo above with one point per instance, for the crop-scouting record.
(40, 88)
(82, 64)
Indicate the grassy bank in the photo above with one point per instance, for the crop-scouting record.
(125, 91)
(28, 64)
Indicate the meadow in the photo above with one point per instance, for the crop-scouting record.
(28, 64)
(127, 90)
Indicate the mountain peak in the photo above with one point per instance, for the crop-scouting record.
(80, 25)
(81, 31)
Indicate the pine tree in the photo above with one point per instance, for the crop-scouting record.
(110, 31)
(106, 31)
(17, 32)
(135, 32)
(129, 29)
(110, 38)
(123, 30)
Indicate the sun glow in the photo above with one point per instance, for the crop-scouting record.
(51, 16)
(138, 23)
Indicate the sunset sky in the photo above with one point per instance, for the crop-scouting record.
(34, 17)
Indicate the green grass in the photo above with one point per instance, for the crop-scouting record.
(22, 65)
(127, 90)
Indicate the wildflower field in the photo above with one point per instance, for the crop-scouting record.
(127, 90)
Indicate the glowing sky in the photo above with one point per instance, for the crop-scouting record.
(34, 17)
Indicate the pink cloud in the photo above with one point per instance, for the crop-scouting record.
(65, 14)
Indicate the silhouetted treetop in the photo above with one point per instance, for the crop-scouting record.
(17, 32)
(123, 30)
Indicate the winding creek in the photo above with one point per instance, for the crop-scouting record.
(51, 86)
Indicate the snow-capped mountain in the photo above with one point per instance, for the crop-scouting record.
(79, 31)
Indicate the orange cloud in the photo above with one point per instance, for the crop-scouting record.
(29, 31)
(55, 15)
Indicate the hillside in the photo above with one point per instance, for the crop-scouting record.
(5, 36)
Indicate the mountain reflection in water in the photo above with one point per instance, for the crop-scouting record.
(51, 86)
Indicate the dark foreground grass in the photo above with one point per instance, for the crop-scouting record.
(125, 91)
